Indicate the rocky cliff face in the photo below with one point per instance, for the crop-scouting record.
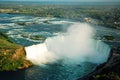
(12, 56)
(20, 54)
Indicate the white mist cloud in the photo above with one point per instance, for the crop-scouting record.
(75, 46)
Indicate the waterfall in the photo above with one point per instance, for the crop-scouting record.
(76, 45)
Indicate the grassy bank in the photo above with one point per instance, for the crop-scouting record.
(12, 56)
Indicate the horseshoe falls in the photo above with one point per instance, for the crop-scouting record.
(76, 46)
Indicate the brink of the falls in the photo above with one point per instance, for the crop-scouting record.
(76, 45)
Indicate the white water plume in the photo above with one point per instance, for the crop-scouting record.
(76, 45)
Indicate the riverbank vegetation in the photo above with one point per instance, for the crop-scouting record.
(104, 15)
(12, 56)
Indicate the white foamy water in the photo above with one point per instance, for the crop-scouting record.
(60, 22)
(7, 24)
(76, 46)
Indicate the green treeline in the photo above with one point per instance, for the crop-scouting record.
(102, 15)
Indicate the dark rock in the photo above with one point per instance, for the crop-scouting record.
(79, 65)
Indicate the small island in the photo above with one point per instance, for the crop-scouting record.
(34, 37)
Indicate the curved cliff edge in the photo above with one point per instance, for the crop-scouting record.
(12, 56)
(109, 70)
